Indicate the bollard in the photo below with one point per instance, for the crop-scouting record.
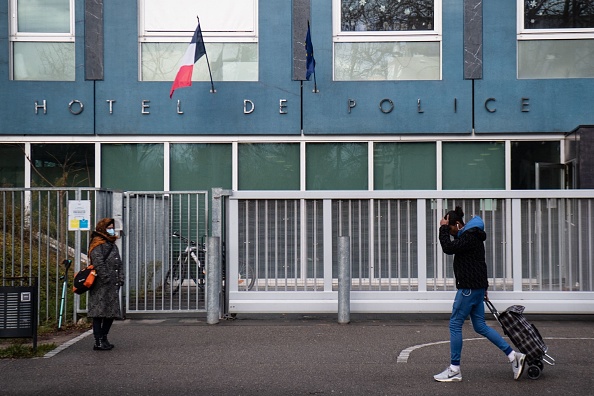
(344, 280)
(213, 280)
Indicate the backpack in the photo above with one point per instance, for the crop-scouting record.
(85, 278)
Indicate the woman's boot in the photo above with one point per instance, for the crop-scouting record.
(100, 345)
(106, 342)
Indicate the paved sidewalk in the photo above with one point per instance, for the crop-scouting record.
(298, 355)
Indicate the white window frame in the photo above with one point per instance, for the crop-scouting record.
(548, 34)
(375, 36)
(15, 35)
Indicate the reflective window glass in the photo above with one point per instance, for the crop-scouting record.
(268, 166)
(385, 15)
(556, 59)
(62, 165)
(44, 61)
(47, 16)
(525, 156)
(228, 62)
(12, 165)
(398, 60)
(337, 166)
(404, 166)
(473, 166)
(556, 14)
(132, 167)
(200, 166)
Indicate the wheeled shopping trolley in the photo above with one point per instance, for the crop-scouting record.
(524, 336)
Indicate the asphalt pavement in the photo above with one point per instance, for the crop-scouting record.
(299, 355)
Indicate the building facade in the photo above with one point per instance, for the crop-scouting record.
(426, 95)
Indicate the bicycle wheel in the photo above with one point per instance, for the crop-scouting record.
(247, 276)
(172, 281)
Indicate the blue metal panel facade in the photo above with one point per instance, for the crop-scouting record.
(555, 105)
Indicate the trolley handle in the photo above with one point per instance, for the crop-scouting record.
(492, 308)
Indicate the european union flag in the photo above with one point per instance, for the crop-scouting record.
(310, 62)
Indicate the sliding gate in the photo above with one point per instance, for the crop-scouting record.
(164, 244)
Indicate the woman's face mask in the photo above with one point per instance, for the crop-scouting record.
(111, 231)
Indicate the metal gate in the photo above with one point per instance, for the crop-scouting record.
(164, 245)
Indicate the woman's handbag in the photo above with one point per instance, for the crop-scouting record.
(84, 279)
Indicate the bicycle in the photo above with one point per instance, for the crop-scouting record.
(189, 269)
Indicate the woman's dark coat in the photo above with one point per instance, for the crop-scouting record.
(104, 299)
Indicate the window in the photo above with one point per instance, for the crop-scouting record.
(268, 166)
(555, 39)
(132, 167)
(200, 166)
(12, 165)
(404, 166)
(63, 165)
(535, 163)
(387, 40)
(42, 40)
(336, 166)
(473, 166)
(230, 32)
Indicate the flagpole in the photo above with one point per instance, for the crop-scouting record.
(212, 88)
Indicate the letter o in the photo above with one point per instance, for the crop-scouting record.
(381, 106)
(80, 110)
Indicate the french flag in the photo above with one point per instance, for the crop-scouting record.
(193, 53)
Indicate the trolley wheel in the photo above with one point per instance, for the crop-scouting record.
(534, 372)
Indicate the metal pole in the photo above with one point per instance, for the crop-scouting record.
(213, 280)
(344, 280)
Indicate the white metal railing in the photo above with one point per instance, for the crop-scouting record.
(539, 249)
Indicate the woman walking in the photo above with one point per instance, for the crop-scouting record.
(104, 302)
(470, 271)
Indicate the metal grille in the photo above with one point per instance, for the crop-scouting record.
(35, 239)
(272, 248)
(166, 272)
(557, 250)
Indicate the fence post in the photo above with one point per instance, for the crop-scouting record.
(213, 280)
(344, 280)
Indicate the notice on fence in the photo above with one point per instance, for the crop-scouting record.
(79, 213)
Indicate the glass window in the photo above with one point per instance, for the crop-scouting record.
(404, 166)
(42, 40)
(268, 166)
(473, 165)
(555, 39)
(132, 167)
(230, 32)
(387, 40)
(47, 16)
(63, 165)
(400, 60)
(200, 166)
(336, 166)
(555, 14)
(12, 165)
(228, 62)
(525, 156)
(556, 59)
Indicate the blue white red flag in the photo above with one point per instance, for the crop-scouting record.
(193, 53)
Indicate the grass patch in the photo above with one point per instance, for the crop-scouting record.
(22, 351)
(22, 348)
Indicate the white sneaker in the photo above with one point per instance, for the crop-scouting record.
(518, 364)
(448, 375)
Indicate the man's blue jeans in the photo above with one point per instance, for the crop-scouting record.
(469, 302)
